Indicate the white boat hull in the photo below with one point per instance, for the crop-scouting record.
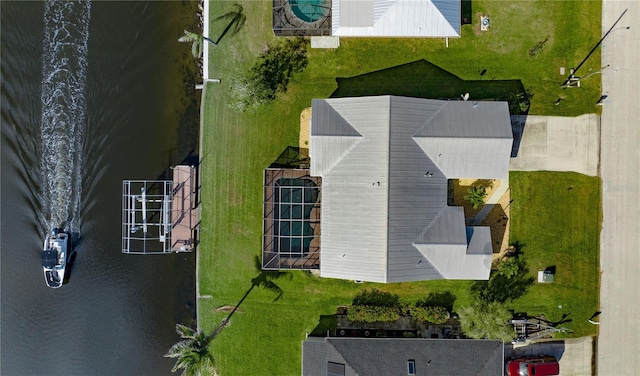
(54, 258)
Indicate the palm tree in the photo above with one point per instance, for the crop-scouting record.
(192, 353)
(236, 19)
(476, 195)
(197, 42)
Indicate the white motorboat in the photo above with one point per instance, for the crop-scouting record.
(54, 258)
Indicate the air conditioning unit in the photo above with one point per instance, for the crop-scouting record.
(448, 333)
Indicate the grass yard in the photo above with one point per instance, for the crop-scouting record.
(265, 336)
(558, 217)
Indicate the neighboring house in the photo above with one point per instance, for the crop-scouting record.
(385, 163)
(386, 356)
(395, 18)
(368, 18)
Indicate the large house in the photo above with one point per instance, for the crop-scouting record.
(395, 18)
(385, 163)
(392, 356)
(368, 18)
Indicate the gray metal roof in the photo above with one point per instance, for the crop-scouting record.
(389, 356)
(384, 206)
(396, 18)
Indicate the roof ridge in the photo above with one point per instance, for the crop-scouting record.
(386, 222)
(429, 120)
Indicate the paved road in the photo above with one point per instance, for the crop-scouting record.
(619, 337)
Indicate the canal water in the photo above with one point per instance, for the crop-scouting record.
(92, 93)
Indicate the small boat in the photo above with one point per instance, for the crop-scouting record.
(54, 258)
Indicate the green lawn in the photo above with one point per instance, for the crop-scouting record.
(560, 227)
(265, 337)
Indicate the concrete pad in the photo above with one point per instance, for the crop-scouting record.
(325, 42)
(554, 143)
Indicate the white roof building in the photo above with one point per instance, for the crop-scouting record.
(384, 163)
(396, 18)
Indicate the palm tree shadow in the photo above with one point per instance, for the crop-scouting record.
(236, 19)
(264, 280)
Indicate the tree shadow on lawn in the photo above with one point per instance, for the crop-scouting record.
(445, 299)
(264, 279)
(236, 20)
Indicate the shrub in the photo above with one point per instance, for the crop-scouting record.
(476, 195)
(270, 75)
(508, 282)
(376, 297)
(520, 102)
(434, 315)
(486, 321)
(368, 313)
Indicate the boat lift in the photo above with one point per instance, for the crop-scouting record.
(159, 216)
(529, 329)
(146, 205)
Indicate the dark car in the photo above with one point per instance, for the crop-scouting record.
(532, 366)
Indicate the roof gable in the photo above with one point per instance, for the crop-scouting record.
(468, 140)
(343, 137)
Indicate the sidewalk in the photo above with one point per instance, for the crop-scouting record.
(490, 203)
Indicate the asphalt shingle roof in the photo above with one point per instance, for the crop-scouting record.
(389, 356)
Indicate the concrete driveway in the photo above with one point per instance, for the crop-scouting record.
(575, 355)
(555, 143)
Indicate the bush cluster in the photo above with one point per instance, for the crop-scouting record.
(270, 75)
(434, 315)
(369, 313)
(379, 306)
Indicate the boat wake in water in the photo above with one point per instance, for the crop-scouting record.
(64, 107)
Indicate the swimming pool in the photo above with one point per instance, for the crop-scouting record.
(295, 198)
(310, 10)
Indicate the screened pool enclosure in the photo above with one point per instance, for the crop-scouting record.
(291, 221)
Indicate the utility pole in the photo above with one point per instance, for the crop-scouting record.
(571, 77)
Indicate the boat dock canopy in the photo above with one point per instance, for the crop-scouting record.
(160, 216)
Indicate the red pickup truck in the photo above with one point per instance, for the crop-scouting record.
(532, 366)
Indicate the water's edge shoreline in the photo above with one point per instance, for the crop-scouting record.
(204, 72)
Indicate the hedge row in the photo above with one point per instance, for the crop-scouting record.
(433, 314)
(371, 313)
(368, 313)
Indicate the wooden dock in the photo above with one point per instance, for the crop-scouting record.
(184, 209)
